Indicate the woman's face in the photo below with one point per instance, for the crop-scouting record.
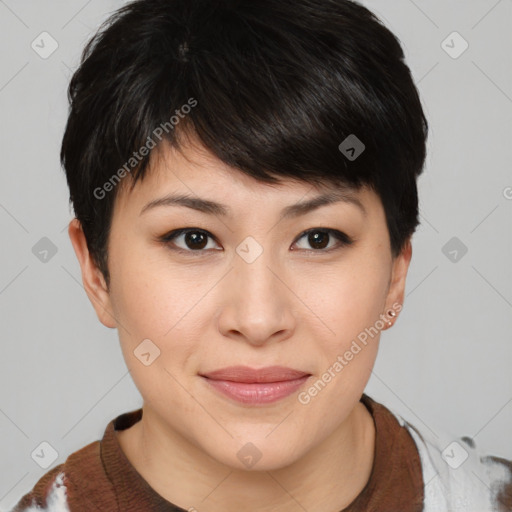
(244, 286)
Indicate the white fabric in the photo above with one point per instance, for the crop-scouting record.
(57, 498)
(471, 487)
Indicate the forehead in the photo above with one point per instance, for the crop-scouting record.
(194, 163)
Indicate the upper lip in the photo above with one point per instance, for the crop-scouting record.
(250, 375)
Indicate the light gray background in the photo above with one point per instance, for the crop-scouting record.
(445, 365)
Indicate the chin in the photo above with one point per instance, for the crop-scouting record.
(256, 455)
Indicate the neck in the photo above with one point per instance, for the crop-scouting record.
(327, 479)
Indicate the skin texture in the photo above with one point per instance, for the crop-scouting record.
(295, 305)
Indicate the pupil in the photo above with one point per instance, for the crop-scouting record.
(316, 238)
(191, 240)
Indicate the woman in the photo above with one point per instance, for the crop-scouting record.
(243, 176)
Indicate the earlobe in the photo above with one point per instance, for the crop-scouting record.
(92, 278)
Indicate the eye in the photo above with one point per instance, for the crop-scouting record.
(319, 239)
(192, 239)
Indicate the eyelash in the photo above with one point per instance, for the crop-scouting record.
(343, 239)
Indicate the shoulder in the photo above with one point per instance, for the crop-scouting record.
(76, 481)
(458, 475)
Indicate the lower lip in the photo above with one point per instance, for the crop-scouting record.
(257, 393)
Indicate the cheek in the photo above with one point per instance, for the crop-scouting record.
(154, 302)
(349, 301)
(148, 299)
(346, 298)
(139, 302)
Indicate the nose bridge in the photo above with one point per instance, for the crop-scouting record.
(258, 306)
(252, 262)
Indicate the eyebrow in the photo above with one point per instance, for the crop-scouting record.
(292, 211)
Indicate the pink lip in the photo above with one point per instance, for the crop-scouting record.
(251, 386)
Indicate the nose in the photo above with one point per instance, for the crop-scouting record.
(258, 305)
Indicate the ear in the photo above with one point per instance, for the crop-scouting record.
(92, 278)
(396, 290)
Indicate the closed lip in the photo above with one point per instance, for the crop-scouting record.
(249, 375)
